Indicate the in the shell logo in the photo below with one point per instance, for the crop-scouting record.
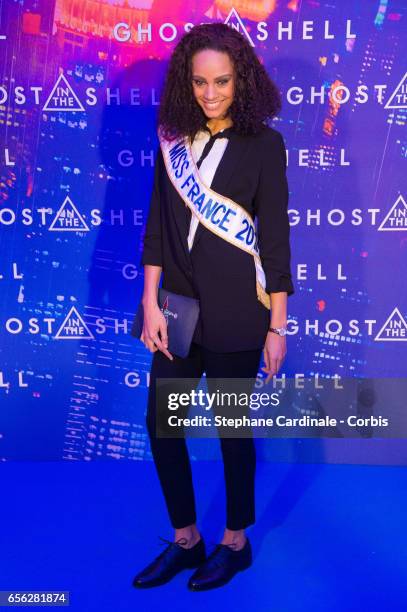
(235, 21)
(63, 97)
(396, 218)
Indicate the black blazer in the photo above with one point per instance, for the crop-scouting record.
(252, 172)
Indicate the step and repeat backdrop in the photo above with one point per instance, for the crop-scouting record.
(80, 84)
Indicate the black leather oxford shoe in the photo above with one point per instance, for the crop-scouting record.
(220, 567)
(173, 559)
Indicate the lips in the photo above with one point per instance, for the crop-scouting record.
(211, 105)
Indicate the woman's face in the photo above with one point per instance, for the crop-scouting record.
(213, 82)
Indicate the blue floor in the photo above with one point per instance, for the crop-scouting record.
(327, 537)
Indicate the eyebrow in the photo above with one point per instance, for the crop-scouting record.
(197, 76)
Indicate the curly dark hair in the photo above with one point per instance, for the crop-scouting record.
(256, 97)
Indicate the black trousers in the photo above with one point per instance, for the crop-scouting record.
(171, 456)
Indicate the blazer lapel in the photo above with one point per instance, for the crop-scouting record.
(182, 216)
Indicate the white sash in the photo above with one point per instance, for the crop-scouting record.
(219, 214)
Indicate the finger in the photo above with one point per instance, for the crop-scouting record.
(266, 359)
(150, 345)
(274, 365)
(279, 364)
(163, 334)
(272, 370)
(158, 342)
(162, 348)
(168, 354)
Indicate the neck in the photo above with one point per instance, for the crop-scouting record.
(215, 125)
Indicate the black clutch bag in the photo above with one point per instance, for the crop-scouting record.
(181, 314)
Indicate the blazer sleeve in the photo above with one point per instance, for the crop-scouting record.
(270, 206)
(152, 249)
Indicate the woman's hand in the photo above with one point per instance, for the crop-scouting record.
(274, 352)
(154, 323)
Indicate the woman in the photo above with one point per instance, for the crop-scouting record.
(218, 95)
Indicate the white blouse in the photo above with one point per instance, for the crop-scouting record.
(207, 169)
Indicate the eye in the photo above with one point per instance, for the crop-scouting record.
(199, 82)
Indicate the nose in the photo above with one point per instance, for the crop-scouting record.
(210, 93)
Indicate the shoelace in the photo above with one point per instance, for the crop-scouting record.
(216, 543)
(171, 545)
(180, 541)
(214, 559)
(217, 556)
